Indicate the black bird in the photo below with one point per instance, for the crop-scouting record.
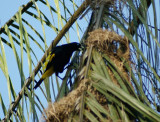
(57, 60)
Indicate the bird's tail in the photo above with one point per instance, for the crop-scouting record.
(38, 83)
(47, 73)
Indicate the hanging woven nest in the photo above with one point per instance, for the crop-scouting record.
(114, 46)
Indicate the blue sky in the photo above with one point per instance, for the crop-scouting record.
(8, 8)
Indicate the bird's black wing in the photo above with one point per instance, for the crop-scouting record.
(56, 52)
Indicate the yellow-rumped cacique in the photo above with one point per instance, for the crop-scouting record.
(57, 59)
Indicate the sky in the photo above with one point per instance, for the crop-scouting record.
(12, 7)
(5, 14)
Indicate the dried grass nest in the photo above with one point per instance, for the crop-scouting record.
(59, 111)
(109, 42)
(116, 47)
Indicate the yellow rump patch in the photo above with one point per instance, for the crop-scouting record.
(53, 55)
(48, 59)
